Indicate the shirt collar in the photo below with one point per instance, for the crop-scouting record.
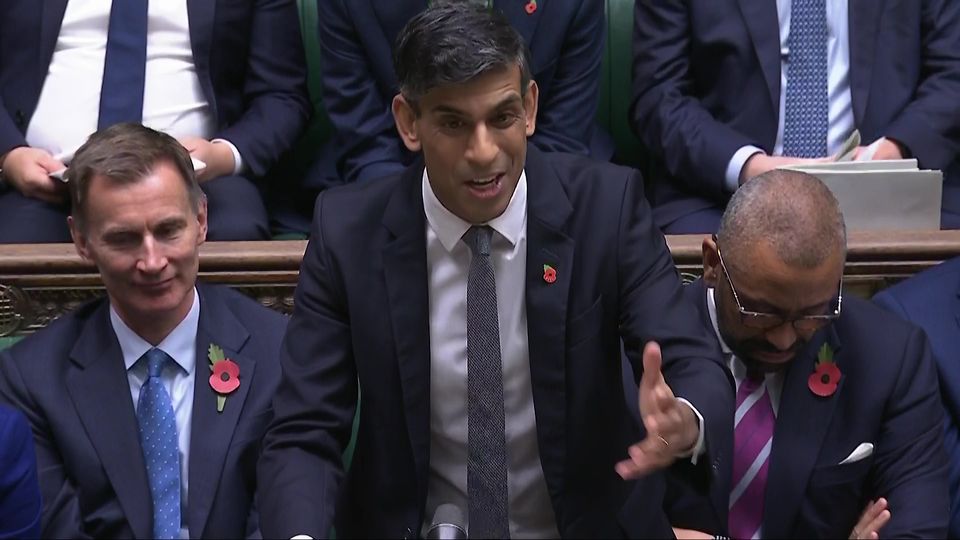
(712, 310)
(450, 228)
(179, 344)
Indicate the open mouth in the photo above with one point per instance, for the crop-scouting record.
(486, 186)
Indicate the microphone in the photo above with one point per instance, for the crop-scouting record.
(447, 524)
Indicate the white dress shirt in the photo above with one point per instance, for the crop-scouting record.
(448, 264)
(181, 345)
(69, 104)
(840, 121)
(774, 381)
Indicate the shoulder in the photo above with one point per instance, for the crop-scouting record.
(359, 204)
(931, 287)
(870, 327)
(585, 177)
(49, 345)
(260, 320)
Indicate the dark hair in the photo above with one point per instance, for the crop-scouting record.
(791, 211)
(126, 154)
(453, 43)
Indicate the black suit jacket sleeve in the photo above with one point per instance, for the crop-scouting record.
(666, 113)
(368, 146)
(61, 506)
(692, 365)
(910, 463)
(300, 470)
(930, 126)
(276, 104)
(565, 117)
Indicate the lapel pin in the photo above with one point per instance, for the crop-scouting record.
(226, 375)
(549, 273)
(826, 375)
(531, 7)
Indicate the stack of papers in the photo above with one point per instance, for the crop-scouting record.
(884, 195)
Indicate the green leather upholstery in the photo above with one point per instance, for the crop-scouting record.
(613, 110)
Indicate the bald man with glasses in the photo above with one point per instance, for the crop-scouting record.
(837, 431)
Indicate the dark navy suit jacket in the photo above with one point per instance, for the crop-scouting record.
(361, 316)
(248, 54)
(20, 503)
(706, 82)
(931, 300)
(566, 39)
(70, 381)
(887, 396)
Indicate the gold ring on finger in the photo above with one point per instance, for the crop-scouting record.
(666, 444)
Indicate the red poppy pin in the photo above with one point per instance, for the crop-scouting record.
(549, 273)
(531, 7)
(226, 375)
(826, 375)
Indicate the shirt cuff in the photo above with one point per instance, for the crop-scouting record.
(237, 160)
(735, 165)
(699, 448)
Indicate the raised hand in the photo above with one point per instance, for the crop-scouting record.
(672, 427)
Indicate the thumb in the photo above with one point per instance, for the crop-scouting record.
(49, 163)
(651, 366)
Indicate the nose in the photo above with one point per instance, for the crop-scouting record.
(482, 148)
(782, 337)
(152, 259)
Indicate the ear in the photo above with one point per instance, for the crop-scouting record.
(711, 262)
(202, 220)
(406, 120)
(530, 103)
(79, 239)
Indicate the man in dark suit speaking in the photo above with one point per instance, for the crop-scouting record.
(479, 300)
(147, 407)
(837, 429)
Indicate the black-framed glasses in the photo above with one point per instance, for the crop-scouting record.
(768, 321)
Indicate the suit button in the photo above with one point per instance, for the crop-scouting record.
(408, 534)
(18, 117)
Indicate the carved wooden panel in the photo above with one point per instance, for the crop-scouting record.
(41, 282)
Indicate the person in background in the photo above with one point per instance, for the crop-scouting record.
(227, 79)
(724, 90)
(20, 503)
(931, 300)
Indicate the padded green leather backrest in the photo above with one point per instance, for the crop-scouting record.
(319, 129)
(613, 110)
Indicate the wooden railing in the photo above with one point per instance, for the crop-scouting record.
(40, 282)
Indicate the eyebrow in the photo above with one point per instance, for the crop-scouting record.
(512, 99)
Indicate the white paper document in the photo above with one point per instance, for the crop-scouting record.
(882, 195)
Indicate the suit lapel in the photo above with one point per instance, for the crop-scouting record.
(51, 21)
(764, 27)
(405, 273)
(211, 431)
(863, 20)
(516, 12)
(100, 390)
(802, 423)
(547, 212)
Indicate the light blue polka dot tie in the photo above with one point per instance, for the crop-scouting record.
(158, 438)
(807, 105)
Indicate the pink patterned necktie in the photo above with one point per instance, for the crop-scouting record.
(753, 438)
